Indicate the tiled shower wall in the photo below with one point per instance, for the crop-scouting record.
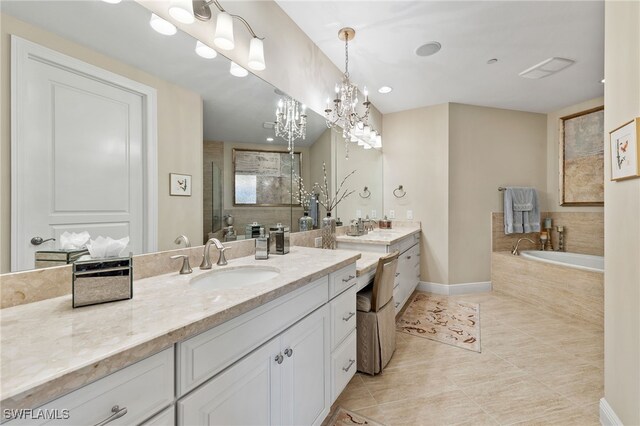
(584, 232)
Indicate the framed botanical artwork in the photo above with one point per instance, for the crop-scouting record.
(179, 184)
(625, 157)
(582, 158)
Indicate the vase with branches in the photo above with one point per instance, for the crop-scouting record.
(330, 201)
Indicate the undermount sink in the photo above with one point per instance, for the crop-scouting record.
(235, 277)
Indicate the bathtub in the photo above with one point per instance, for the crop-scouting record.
(584, 262)
(566, 284)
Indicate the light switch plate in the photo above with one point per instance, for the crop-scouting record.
(374, 214)
(409, 214)
(358, 214)
(317, 243)
(392, 214)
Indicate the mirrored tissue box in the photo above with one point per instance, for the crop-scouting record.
(102, 280)
(49, 258)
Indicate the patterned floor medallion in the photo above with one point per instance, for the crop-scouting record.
(437, 318)
(344, 417)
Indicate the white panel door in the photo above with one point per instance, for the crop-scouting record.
(305, 373)
(80, 155)
(247, 393)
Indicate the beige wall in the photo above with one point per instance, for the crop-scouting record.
(553, 152)
(622, 218)
(416, 155)
(179, 137)
(488, 148)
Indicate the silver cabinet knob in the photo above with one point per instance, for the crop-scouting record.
(279, 358)
(36, 241)
(288, 352)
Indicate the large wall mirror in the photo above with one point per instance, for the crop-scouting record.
(204, 115)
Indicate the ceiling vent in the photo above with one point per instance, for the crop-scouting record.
(546, 68)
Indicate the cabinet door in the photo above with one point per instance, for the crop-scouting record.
(247, 393)
(305, 370)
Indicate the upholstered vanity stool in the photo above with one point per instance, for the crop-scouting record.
(376, 318)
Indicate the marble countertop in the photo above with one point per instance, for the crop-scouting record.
(367, 262)
(50, 349)
(381, 236)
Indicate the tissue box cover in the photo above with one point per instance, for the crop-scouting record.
(48, 258)
(102, 280)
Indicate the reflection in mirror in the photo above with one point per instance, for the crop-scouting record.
(203, 113)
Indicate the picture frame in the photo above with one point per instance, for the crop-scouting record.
(624, 153)
(581, 158)
(264, 178)
(179, 185)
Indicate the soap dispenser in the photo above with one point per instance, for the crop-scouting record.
(262, 246)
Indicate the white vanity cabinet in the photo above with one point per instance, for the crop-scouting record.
(281, 383)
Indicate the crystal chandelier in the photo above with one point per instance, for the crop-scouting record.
(355, 127)
(291, 121)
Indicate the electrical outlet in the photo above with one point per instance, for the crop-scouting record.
(409, 214)
(374, 214)
(392, 214)
(317, 243)
(358, 214)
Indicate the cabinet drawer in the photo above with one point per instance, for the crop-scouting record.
(143, 389)
(164, 418)
(343, 316)
(343, 365)
(204, 355)
(405, 243)
(341, 280)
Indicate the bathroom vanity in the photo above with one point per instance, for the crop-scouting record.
(277, 352)
(405, 240)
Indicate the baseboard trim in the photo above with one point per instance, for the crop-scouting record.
(453, 289)
(608, 417)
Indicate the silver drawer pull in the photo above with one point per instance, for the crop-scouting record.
(346, 280)
(397, 304)
(348, 367)
(117, 413)
(347, 318)
(397, 273)
(279, 358)
(288, 352)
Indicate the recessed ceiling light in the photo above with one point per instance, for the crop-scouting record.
(385, 89)
(112, 1)
(492, 61)
(162, 26)
(428, 49)
(602, 81)
(205, 51)
(269, 139)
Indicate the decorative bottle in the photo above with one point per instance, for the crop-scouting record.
(305, 222)
(329, 232)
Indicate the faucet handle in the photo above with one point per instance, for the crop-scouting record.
(186, 268)
(222, 260)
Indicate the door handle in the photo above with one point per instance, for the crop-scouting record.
(36, 241)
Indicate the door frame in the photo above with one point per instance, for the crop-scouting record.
(23, 51)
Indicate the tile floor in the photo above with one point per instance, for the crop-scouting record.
(535, 368)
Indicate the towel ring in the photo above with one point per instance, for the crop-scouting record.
(365, 193)
(399, 189)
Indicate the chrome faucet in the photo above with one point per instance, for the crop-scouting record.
(183, 238)
(515, 251)
(206, 258)
(186, 268)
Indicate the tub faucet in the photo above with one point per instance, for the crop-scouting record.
(515, 251)
(206, 258)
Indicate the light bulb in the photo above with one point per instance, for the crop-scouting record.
(205, 51)
(181, 11)
(162, 26)
(379, 141)
(256, 55)
(237, 71)
(223, 38)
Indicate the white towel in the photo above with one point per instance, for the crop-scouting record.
(521, 210)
